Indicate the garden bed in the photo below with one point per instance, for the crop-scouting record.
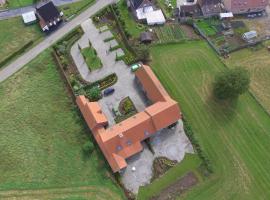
(126, 109)
(169, 33)
(92, 60)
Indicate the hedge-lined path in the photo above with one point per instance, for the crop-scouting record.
(9, 13)
(31, 54)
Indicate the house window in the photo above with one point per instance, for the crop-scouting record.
(119, 148)
(129, 142)
(146, 133)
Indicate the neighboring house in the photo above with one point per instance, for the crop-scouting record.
(245, 6)
(210, 7)
(49, 16)
(123, 140)
(144, 10)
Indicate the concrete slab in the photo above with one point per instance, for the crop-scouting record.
(106, 35)
(103, 28)
(143, 173)
(119, 52)
(113, 43)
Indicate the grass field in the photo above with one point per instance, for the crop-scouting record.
(131, 25)
(207, 26)
(41, 139)
(234, 136)
(73, 9)
(14, 34)
(19, 3)
(258, 63)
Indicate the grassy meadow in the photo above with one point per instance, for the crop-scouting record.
(14, 34)
(41, 139)
(235, 136)
(258, 64)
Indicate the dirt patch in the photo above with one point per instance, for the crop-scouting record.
(162, 165)
(190, 32)
(178, 188)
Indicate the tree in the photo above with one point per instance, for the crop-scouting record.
(94, 93)
(88, 147)
(143, 53)
(231, 83)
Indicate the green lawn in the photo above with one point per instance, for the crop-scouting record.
(19, 3)
(167, 11)
(207, 26)
(14, 34)
(131, 25)
(234, 136)
(257, 62)
(73, 9)
(41, 139)
(190, 163)
(92, 60)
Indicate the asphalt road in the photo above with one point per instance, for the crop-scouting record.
(16, 65)
(9, 13)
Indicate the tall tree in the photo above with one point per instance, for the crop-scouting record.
(231, 83)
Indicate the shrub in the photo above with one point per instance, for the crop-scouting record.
(94, 93)
(88, 147)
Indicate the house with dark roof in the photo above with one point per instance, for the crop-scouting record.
(210, 7)
(49, 16)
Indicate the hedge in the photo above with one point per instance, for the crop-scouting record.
(16, 53)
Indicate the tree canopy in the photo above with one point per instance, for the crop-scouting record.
(231, 83)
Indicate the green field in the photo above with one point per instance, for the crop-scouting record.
(14, 34)
(258, 64)
(132, 27)
(73, 9)
(41, 139)
(207, 26)
(19, 3)
(234, 136)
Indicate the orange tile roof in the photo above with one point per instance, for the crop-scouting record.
(124, 139)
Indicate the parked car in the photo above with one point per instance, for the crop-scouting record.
(108, 91)
(135, 67)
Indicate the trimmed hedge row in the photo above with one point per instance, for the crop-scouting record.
(190, 134)
(16, 53)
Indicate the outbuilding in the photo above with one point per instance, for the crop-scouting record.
(29, 17)
(146, 37)
(250, 36)
(155, 17)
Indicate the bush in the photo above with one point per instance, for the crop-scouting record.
(231, 83)
(88, 147)
(94, 93)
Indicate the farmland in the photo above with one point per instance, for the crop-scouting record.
(169, 33)
(235, 136)
(41, 139)
(257, 62)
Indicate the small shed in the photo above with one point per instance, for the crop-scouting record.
(146, 37)
(29, 17)
(249, 36)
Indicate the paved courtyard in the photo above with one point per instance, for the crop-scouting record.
(171, 143)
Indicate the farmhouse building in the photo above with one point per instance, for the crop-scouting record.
(123, 140)
(245, 6)
(49, 16)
